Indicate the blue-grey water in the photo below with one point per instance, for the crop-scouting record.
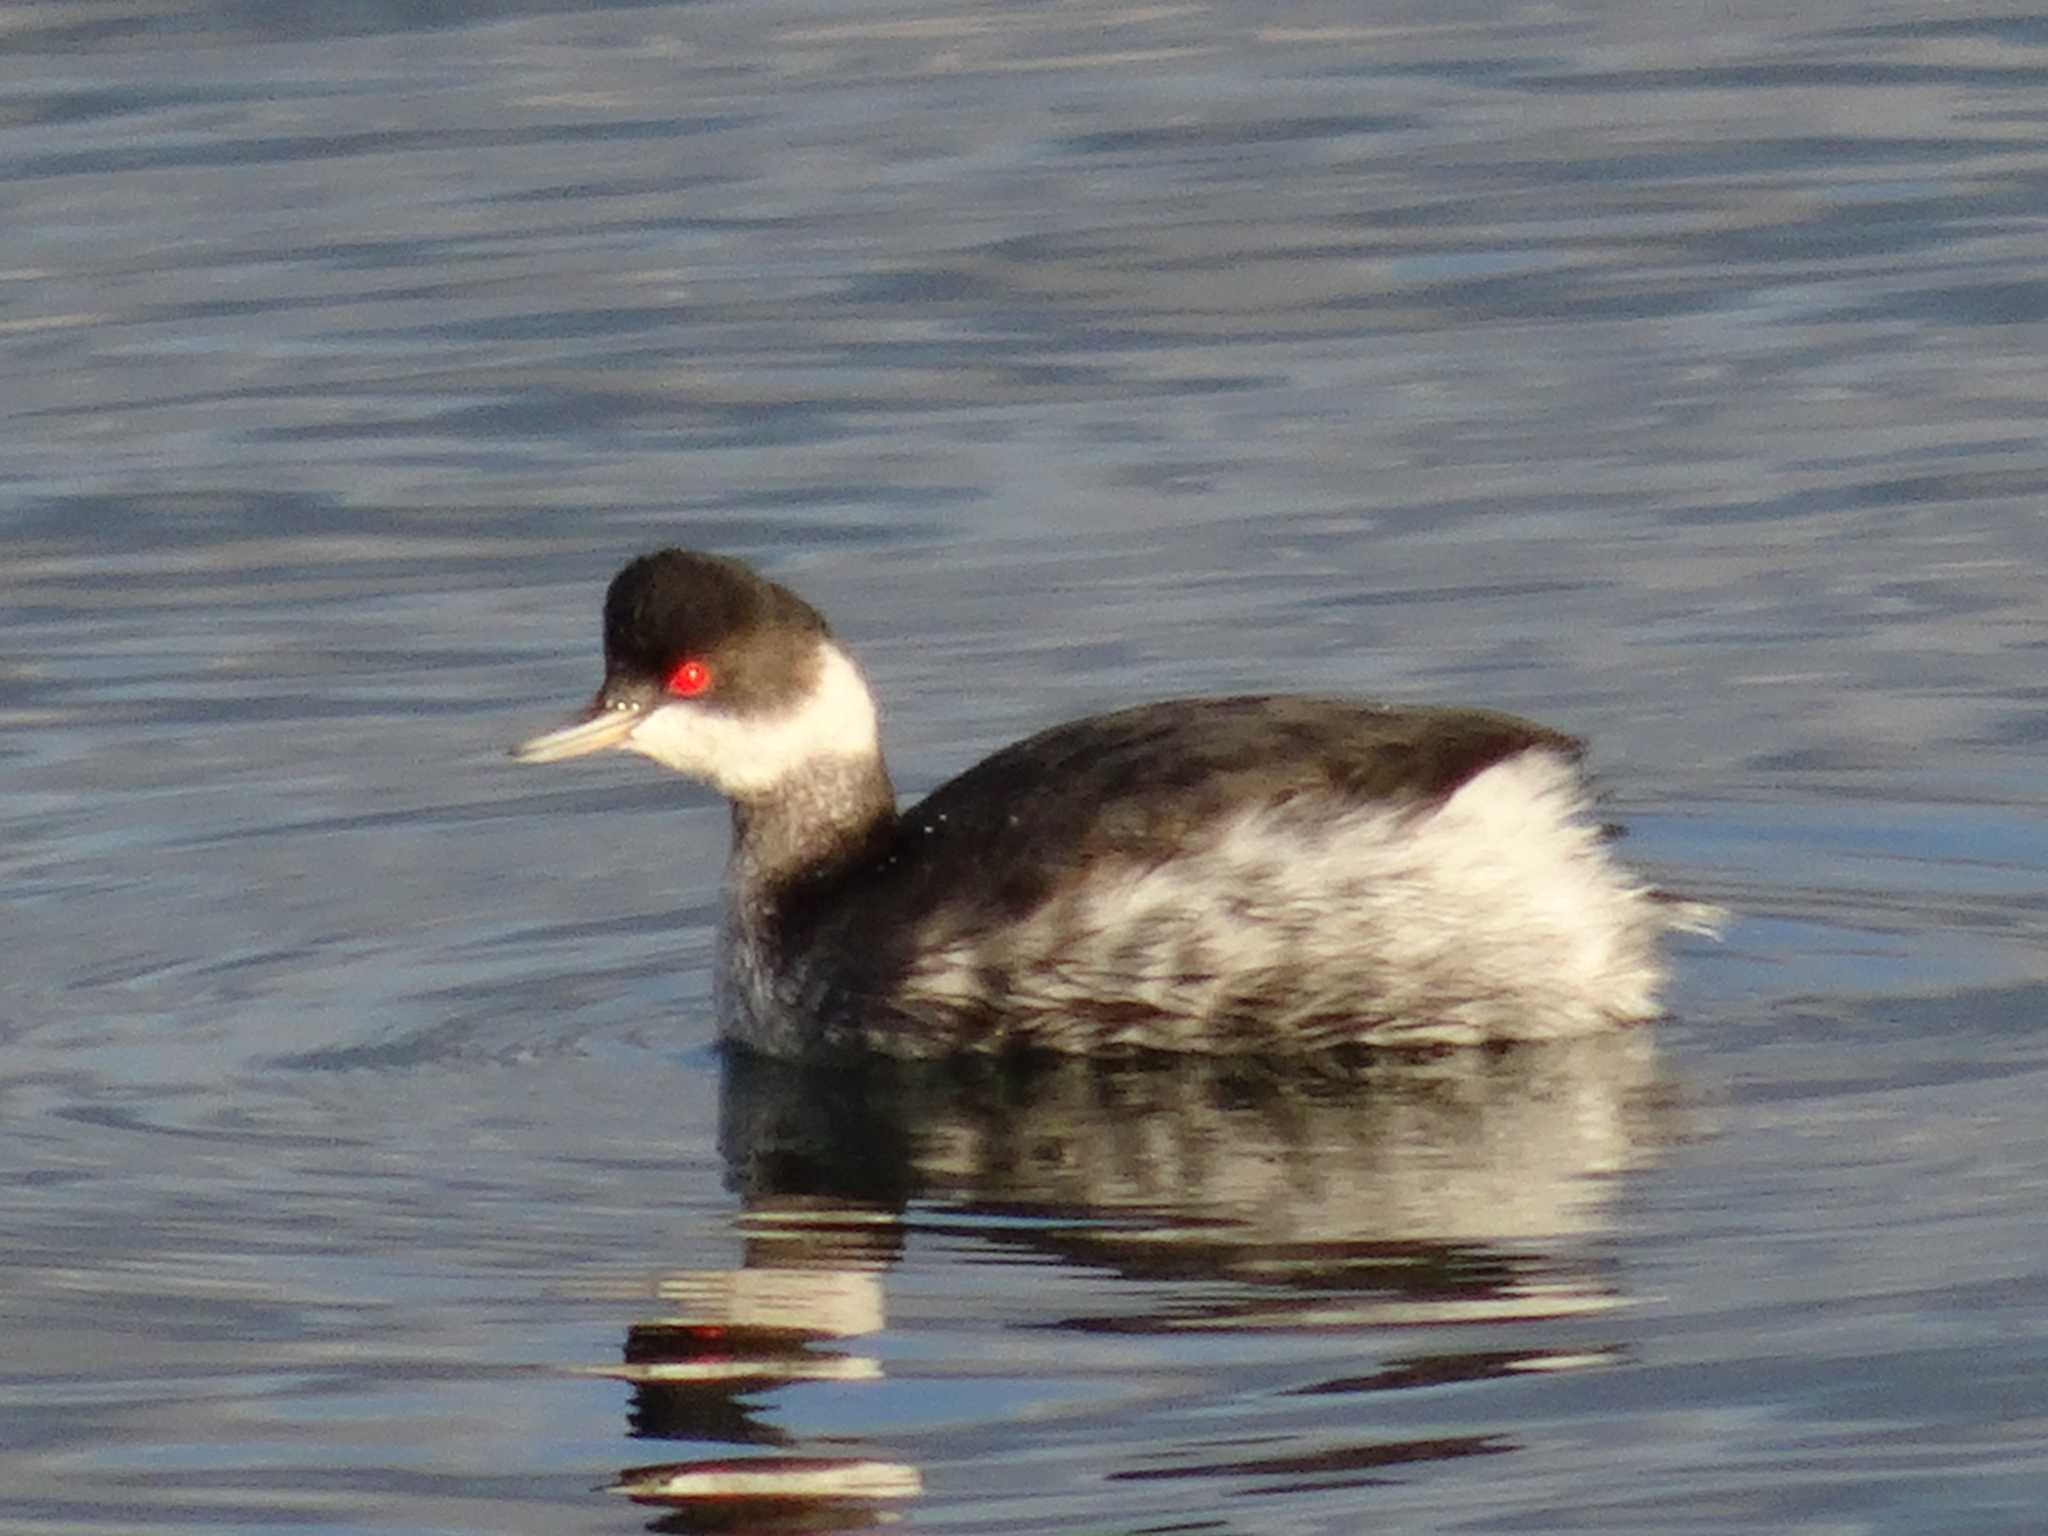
(1675, 374)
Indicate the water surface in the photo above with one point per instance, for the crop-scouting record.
(1674, 377)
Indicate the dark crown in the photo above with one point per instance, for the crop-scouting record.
(759, 636)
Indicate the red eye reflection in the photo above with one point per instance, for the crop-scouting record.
(688, 678)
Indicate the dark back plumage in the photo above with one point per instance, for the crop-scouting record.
(1140, 782)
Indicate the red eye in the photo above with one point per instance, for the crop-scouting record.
(688, 678)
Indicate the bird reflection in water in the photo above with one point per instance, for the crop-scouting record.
(725, 1338)
(1334, 1196)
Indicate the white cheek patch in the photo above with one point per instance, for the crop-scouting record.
(743, 756)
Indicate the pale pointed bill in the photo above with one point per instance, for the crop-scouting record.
(607, 726)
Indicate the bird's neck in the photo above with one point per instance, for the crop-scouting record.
(811, 825)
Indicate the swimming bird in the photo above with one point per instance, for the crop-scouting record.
(1257, 874)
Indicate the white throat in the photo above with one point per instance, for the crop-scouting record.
(747, 756)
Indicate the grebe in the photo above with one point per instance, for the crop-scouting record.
(1254, 874)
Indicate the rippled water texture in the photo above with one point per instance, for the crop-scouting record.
(1674, 374)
